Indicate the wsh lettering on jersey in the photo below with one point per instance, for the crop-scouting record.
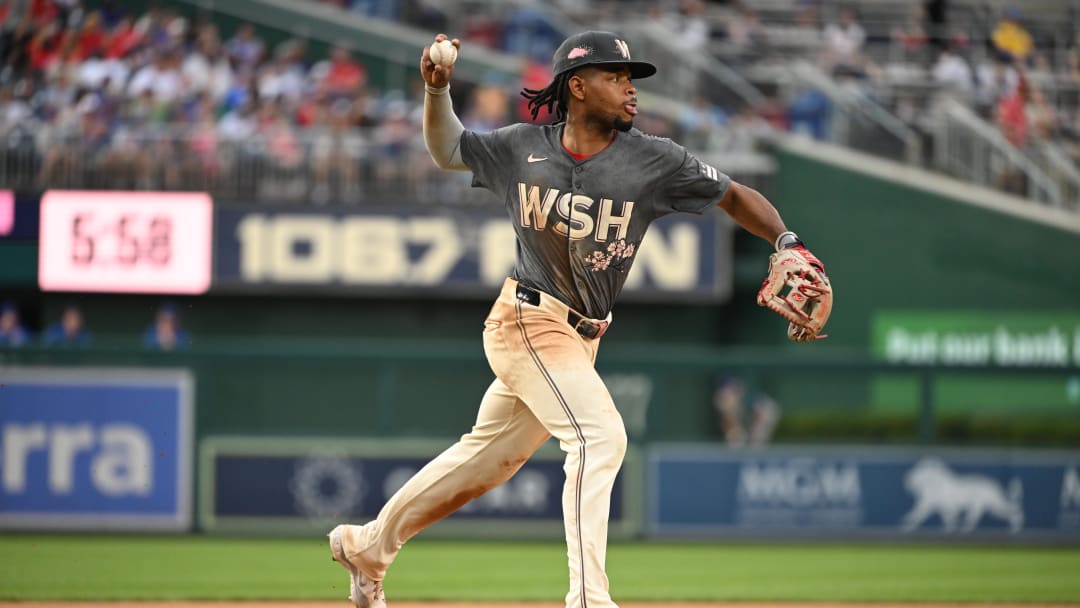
(576, 217)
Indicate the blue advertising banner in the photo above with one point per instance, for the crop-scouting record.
(295, 484)
(459, 253)
(853, 492)
(95, 449)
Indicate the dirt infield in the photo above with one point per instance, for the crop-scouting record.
(346, 604)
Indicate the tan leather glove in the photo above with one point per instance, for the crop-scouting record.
(798, 290)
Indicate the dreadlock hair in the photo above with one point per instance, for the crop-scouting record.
(553, 97)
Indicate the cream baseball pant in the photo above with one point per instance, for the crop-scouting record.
(545, 386)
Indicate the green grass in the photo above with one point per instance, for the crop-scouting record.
(193, 567)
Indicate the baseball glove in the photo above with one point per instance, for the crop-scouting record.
(798, 290)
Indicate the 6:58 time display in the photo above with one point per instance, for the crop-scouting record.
(136, 242)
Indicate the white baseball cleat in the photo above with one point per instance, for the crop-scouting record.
(363, 591)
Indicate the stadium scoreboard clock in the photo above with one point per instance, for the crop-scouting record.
(125, 242)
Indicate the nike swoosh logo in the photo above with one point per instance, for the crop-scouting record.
(533, 159)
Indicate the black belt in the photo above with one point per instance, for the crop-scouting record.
(586, 327)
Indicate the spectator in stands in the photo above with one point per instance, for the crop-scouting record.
(745, 130)
(14, 111)
(111, 13)
(15, 35)
(45, 50)
(700, 122)
(282, 77)
(1012, 114)
(528, 30)
(6, 13)
(394, 136)
(79, 136)
(98, 73)
(206, 69)
(1073, 60)
(937, 21)
(488, 108)
(1012, 118)
(809, 113)
(690, 29)
(12, 333)
(345, 76)
(844, 42)
(536, 75)
(746, 34)
(165, 334)
(912, 39)
(239, 124)
(161, 77)
(43, 11)
(203, 165)
(58, 93)
(689, 37)
(952, 71)
(123, 39)
(245, 47)
(729, 401)
(427, 15)
(994, 80)
(284, 149)
(1042, 116)
(482, 30)
(90, 38)
(337, 151)
(69, 331)
(156, 27)
(807, 31)
(311, 111)
(1010, 39)
(241, 90)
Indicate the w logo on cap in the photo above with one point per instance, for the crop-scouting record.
(622, 48)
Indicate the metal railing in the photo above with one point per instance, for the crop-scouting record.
(1061, 168)
(858, 121)
(969, 148)
(317, 166)
(684, 75)
(387, 164)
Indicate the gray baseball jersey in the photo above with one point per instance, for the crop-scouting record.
(580, 223)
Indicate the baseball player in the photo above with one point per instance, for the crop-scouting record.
(580, 194)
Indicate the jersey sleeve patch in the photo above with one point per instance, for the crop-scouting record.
(692, 188)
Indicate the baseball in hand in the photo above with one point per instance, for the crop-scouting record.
(443, 53)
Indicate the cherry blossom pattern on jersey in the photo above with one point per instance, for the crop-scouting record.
(616, 257)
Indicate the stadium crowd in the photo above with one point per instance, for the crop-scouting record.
(110, 99)
(113, 99)
(106, 98)
(1017, 70)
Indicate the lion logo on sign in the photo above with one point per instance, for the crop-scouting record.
(960, 500)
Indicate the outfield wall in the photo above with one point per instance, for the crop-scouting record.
(96, 449)
(897, 238)
(903, 244)
(111, 449)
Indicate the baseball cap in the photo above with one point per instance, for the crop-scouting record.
(596, 48)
